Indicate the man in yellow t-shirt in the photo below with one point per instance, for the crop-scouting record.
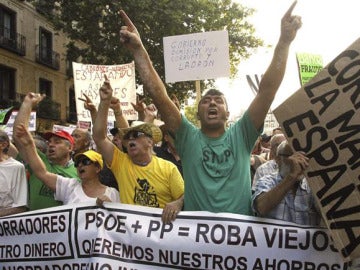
(143, 178)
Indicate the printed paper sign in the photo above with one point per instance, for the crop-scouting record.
(322, 119)
(89, 78)
(196, 56)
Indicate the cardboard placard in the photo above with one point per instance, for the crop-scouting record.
(322, 119)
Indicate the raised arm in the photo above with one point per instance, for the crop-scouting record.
(90, 106)
(120, 119)
(130, 37)
(139, 107)
(26, 141)
(103, 144)
(274, 75)
(31, 100)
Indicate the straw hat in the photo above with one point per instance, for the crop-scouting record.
(148, 128)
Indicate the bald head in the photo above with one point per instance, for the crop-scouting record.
(275, 141)
(82, 140)
(284, 149)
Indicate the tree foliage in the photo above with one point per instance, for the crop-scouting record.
(191, 114)
(97, 24)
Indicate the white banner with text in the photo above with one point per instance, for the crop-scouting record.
(120, 236)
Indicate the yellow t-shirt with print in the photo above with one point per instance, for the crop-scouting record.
(153, 185)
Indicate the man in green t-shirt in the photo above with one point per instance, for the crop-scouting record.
(215, 159)
(57, 158)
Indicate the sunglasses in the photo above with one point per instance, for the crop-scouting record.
(84, 162)
(135, 134)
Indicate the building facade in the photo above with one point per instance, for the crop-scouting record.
(33, 58)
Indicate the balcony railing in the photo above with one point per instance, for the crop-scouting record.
(48, 58)
(12, 102)
(12, 41)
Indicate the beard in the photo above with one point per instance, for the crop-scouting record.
(284, 170)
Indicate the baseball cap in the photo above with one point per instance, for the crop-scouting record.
(60, 133)
(92, 155)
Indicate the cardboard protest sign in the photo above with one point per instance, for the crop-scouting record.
(196, 56)
(309, 65)
(89, 78)
(322, 119)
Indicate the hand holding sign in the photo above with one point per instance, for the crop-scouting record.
(298, 163)
(289, 25)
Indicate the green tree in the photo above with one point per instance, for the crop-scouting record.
(97, 24)
(191, 114)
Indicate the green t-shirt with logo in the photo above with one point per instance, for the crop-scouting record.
(217, 171)
(40, 196)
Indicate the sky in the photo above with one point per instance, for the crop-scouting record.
(329, 27)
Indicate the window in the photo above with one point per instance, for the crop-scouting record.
(7, 25)
(45, 45)
(7, 84)
(45, 87)
(72, 116)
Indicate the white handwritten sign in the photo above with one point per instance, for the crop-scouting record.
(89, 78)
(196, 56)
(322, 119)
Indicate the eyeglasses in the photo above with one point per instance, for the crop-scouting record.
(84, 162)
(135, 134)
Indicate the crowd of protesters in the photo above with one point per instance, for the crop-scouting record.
(174, 165)
(177, 166)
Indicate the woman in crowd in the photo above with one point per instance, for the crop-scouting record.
(70, 190)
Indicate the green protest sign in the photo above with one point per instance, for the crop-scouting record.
(3, 113)
(309, 65)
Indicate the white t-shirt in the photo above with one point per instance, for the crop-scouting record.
(69, 190)
(13, 184)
